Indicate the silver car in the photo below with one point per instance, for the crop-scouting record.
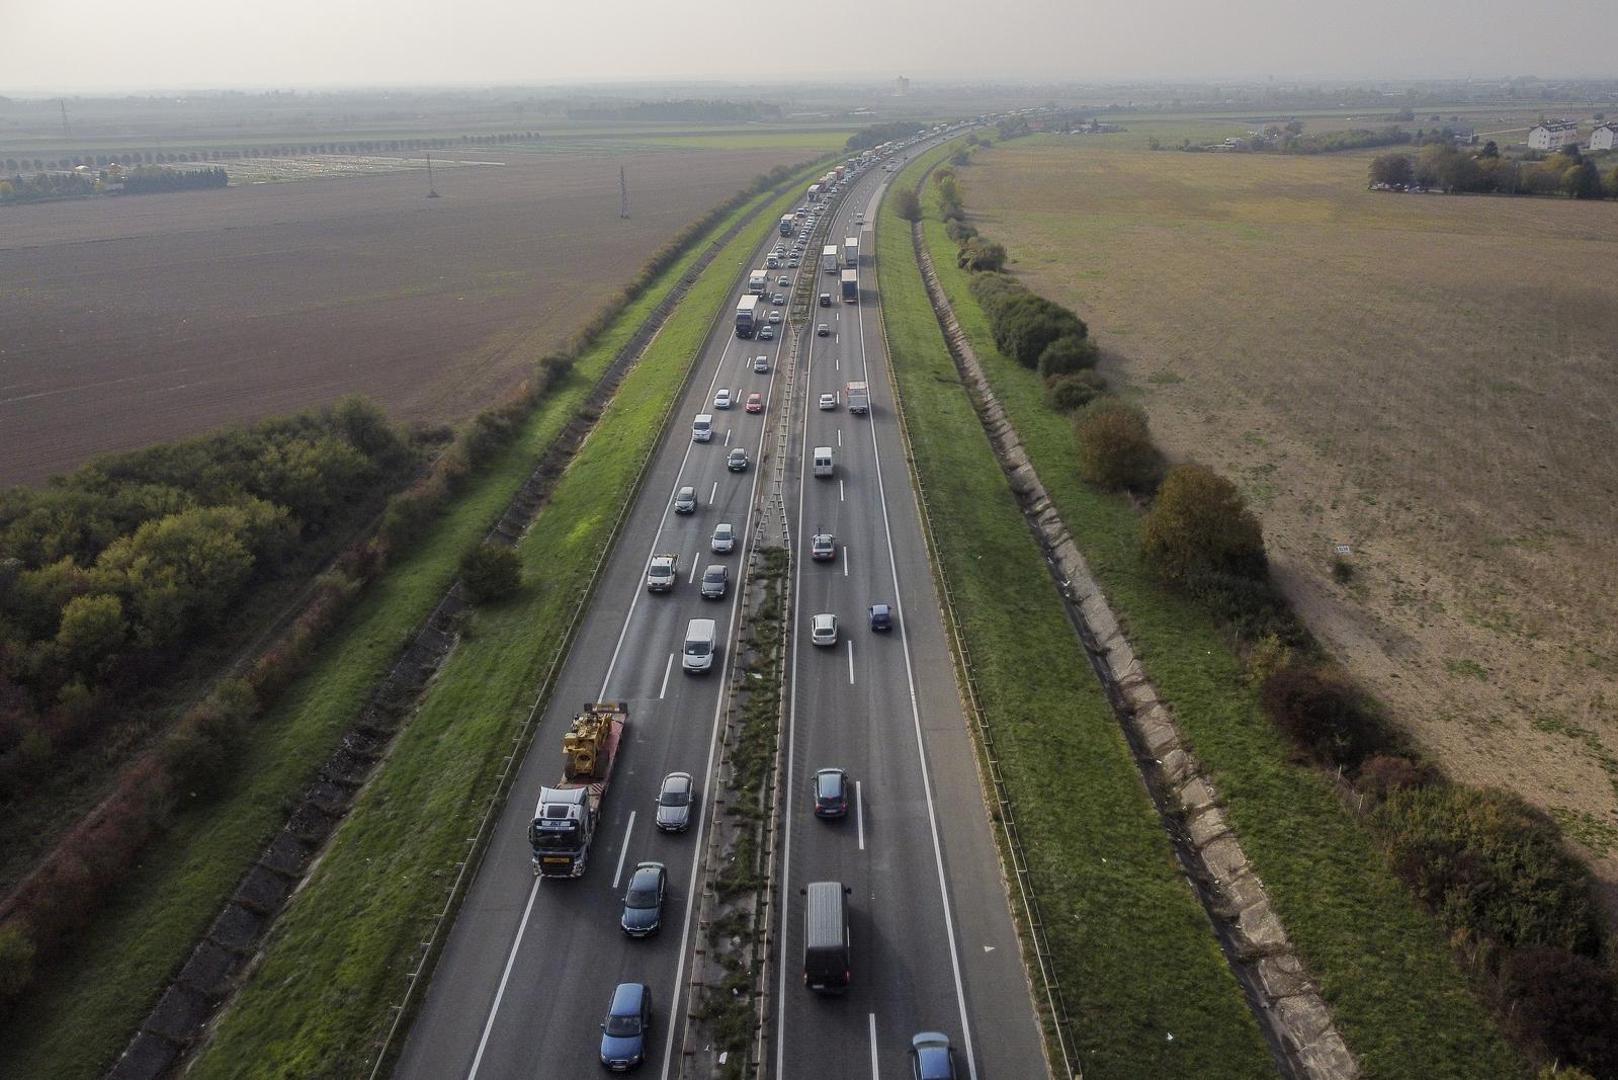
(724, 538)
(685, 501)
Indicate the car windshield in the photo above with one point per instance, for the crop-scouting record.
(623, 1026)
(714, 575)
(674, 797)
(641, 896)
(696, 648)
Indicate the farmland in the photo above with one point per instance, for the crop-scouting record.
(1424, 379)
(130, 321)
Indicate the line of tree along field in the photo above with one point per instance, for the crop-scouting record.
(877, 134)
(1444, 167)
(1493, 870)
(112, 574)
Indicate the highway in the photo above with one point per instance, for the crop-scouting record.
(529, 966)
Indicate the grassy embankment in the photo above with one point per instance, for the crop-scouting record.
(85, 1008)
(1148, 990)
(1402, 1004)
(337, 959)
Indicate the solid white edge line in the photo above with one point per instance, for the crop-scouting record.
(617, 875)
(505, 976)
(921, 748)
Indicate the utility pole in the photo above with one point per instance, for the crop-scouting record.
(623, 195)
(432, 192)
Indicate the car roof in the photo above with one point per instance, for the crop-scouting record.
(627, 998)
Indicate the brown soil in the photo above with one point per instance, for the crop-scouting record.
(1428, 379)
(133, 320)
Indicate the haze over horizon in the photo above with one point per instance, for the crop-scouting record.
(105, 46)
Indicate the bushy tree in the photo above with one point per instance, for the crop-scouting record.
(978, 254)
(491, 572)
(907, 205)
(1068, 354)
(1582, 181)
(1065, 393)
(1566, 1007)
(1115, 447)
(1325, 715)
(1026, 325)
(1200, 522)
(92, 629)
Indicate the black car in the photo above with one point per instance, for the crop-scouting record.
(643, 901)
(881, 618)
(831, 793)
(674, 802)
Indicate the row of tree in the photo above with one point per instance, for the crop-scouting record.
(115, 572)
(703, 110)
(153, 179)
(1446, 167)
(877, 134)
(42, 186)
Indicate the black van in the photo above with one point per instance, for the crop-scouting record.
(826, 954)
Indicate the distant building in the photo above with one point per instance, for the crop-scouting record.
(901, 86)
(1552, 135)
(1604, 137)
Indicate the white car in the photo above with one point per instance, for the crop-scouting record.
(724, 538)
(827, 401)
(823, 629)
(721, 400)
(775, 318)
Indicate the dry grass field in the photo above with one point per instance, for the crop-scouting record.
(131, 320)
(1432, 380)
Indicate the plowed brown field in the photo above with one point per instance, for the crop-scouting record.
(125, 321)
(1428, 379)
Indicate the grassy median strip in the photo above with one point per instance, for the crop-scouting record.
(1148, 990)
(1402, 1004)
(337, 958)
(84, 1009)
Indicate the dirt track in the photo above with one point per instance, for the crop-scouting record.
(132, 320)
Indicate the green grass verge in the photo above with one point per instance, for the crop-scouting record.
(1401, 1002)
(84, 1007)
(1148, 989)
(337, 958)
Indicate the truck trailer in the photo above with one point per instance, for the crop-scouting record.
(858, 396)
(747, 316)
(566, 815)
(851, 252)
(828, 258)
(851, 286)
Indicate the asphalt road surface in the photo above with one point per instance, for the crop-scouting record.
(530, 964)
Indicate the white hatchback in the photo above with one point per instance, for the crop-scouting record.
(823, 629)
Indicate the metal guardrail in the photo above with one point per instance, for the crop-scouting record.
(1005, 816)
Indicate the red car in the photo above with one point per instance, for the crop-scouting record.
(755, 402)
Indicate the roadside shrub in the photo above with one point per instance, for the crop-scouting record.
(199, 754)
(960, 232)
(1489, 864)
(1201, 523)
(1030, 323)
(1068, 354)
(978, 254)
(1115, 448)
(1564, 1006)
(1380, 775)
(1324, 714)
(491, 572)
(907, 205)
(1065, 393)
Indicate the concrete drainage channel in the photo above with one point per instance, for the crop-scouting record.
(226, 952)
(1288, 1005)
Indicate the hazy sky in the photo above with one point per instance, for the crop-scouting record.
(123, 44)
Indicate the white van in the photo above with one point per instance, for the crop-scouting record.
(699, 646)
(702, 428)
(824, 466)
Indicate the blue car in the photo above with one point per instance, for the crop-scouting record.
(881, 618)
(628, 1023)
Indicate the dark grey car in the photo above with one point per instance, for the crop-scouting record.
(674, 801)
(643, 901)
(685, 501)
(715, 579)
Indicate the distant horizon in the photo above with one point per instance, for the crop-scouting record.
(919, 84)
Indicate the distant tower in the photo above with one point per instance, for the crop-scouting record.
(432, 192)
(63, 103)
(623, 195)
(901, 86)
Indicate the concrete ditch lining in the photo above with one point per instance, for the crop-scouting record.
(1288, 1005)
